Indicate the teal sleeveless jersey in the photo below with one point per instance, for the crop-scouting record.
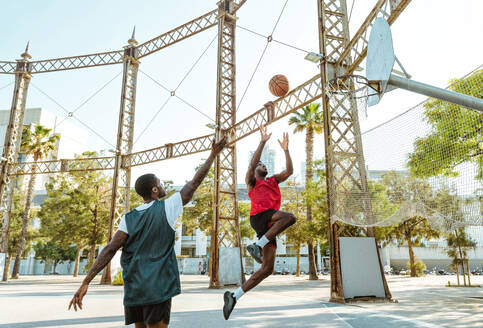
(148, 260)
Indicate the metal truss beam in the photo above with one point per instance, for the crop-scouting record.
(66, 165)
(75, 62)
(226, 227)
(357, 47)
(121, 181)
(297, 98)
(175, 35)
(179, 33)
(11, 149)
(237, 4)
(345, 165)
(7, 67)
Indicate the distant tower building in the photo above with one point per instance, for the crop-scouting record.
(303, 167)
(267, 158)
(73, 140)
(302, 172)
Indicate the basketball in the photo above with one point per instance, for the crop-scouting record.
(278, 85)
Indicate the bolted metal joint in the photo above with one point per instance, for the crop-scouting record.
(63, 165)
(270, 107)
(23, 67)
(131, 51)
(169, 150)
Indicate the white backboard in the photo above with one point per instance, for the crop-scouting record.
(380, 57)
(361, 272)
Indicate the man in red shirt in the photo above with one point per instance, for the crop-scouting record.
(265, 217)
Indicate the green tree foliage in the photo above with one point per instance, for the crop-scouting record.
(38, 143)
(93, 192)
(52, 252)
(16, 217)
(315, 196)
(135, 200)
(294, 202)
(199, 212)
(456, 134)
(246, 230)
(15, 228)
(459, 243)
(419, 267)
(76, 210)
(412, 229)
(309, 119)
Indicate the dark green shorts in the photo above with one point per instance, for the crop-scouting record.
(149, 314)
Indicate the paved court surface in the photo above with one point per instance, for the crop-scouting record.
(281, 301)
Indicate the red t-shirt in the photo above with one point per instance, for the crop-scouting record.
(265, 196)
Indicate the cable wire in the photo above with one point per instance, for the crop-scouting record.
(273, 40)
(177, 87)
(152, 79)
(279, 16)
(154, 117)
(253, 75)
(89, 98)
(6, 86)
(69, 113)
(49, 97)
(196, 62)
(94, 131)
(350, 14)
(196, 109)
(261, 57)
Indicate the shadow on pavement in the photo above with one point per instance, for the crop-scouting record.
(63, 322)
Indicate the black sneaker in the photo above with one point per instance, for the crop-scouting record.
(230, 302)
(255, 251)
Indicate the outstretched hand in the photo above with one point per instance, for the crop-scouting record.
(284, 142)
(78, 296)
(217, 147)
(263, 134)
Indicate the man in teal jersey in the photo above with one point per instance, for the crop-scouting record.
(147, 235)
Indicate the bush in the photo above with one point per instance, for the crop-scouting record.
(118, 281)
(419, 266)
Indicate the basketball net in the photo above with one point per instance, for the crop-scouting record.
(447, 195)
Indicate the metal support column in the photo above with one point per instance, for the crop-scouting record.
(121, 181)
(11, 149)
(226, 228)
(345, 166)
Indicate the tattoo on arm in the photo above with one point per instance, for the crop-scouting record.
(106, 255)
(190, 188)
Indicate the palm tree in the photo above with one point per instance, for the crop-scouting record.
(311, 120)
(459, 243)
(38, 143)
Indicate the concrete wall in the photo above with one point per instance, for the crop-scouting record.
(189, 265)
(398, 257)
(31, 266)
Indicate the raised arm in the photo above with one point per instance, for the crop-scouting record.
(282, 176)
(250, 176)
(189, 188)
(104, 257)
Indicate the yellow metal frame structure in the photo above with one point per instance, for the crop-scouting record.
(341, 55)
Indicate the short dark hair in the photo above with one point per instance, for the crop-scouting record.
(144, 185)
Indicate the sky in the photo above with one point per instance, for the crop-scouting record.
(436, 40)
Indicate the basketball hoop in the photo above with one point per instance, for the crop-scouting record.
(348, 85)
(350, 88)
